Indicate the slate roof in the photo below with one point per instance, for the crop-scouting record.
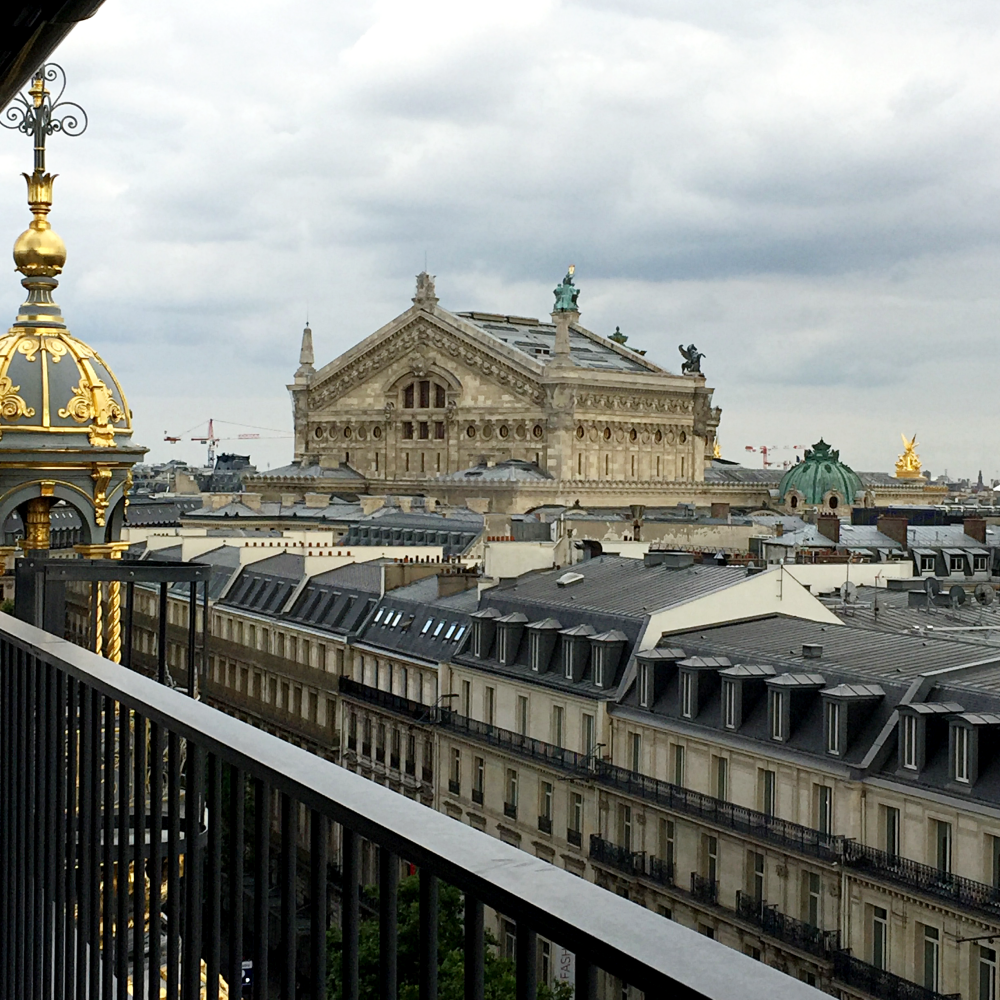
(537, 340)
(514, 470)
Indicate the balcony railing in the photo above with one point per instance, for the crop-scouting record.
(631, 862)
(787, 929)
(704, 889)
(477, 796)
(545, 824)
(104, 771)
(962, 892)
(879, 983)
(573, 837)
(792, 836)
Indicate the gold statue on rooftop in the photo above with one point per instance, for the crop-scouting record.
(908, 464)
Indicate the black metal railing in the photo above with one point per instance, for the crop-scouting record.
(879, 983)
(963, 892)
(477, 796)
(454, 786)
(704, 889)
(574, 837)
(545, 824)
(631, 862)
(750, 822)
(796, 933)
(104, 771)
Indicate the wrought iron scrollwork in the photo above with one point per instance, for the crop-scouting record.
(36, 112)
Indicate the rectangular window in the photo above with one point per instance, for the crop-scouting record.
(711, 869)
(545, 801)
(880, 937)
(942, 832)
(813, 897)
(768, 790)
(932, 958)
(636, 752)
(687, 695)
(777, 711)
(667, 840)
(522, 714)
(467, 698)
(557, 725)
(961, 754)
(408, 397)
(439, 396)
(757, 871)
(910, 741)
(425, 395)
(456, 770)
(646, 685)
(890, 826)
(721, 768)
(957, 564)
(408, 429)
(479, 775)
(589, 741)
(489, 706)
(994, 844)
(576, 812)
(729, 704)
(511, 788)
(987, 973)
(625, 827)
(423, 430)
(824, 809)
(833, 727)
(438, 430)
(678, 752)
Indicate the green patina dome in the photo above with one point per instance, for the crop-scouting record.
(818, 473)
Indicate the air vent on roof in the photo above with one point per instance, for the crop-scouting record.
(811, 650)
(567, 579)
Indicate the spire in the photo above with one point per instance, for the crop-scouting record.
(306, 357)
(425, 297)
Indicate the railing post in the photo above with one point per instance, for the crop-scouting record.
(474, 953)
(388, 883)
(289, 858)
(237, 849)
(261, 887)
(194, 862)
(526, 972)
(213, 884)
(428, 935)
(350, 917)
(320, 832)
(586, 979)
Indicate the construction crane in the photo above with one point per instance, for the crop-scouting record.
(212, 439)
(765, 451)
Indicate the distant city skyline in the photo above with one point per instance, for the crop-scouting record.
(811, 195)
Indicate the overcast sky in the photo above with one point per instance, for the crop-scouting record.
(808, 192)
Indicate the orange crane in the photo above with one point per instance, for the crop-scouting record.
(765, 451)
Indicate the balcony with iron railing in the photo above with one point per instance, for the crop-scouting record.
(797, 933)
(705, 889)
(630, 862)
(105, 771)
(879, 983)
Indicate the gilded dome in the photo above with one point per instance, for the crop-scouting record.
(820, 473)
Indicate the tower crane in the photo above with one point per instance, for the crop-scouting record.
(212, 439)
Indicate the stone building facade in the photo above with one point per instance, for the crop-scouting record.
(435, 392)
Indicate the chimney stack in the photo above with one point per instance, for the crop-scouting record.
(828, 525)
(975, 527)
(894, 528)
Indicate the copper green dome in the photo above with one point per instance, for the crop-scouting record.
(818, 474)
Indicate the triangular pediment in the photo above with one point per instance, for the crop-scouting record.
(418, 334)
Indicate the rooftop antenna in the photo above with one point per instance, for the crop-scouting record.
(932, 585)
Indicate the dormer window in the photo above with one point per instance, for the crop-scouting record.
(687, 695)
(484, 623)
(729, 704)
(646, 685)
(606, 653)
(776, 713)
(697, 678)
(574, 651)
(509, 630)
(960, 755)
(833, 727)
(909, 735)
(542, 638)
(653, 667)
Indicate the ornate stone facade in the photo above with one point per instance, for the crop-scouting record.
(435, 392)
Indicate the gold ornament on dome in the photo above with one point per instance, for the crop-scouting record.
(12, 405)
(908, 464)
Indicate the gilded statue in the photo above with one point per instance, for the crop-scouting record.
(908, 464)
(567, 293)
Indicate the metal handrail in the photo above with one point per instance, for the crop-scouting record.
(881, 983)
(788, 929)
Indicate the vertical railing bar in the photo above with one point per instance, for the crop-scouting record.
(261, 887)
(155, 858)
(73, 828)
(192, 621)
(129, 623)
(318, 857)
(350, 922)
(173, 862)
(428, 947)
(122, 853)
(84, 852)
(161, 637)
(194, 864)
(475, 955)
(57, 837)
(8, 818)
(237, 797)
(108, 831)
(289, 856)
(94, 931)
(21, 819)
(41, 963)
(49, 826)
(139, 856)
(29, 914)
(213, 881)
(388, 884)
(526, 970)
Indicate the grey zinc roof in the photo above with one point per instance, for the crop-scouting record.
(861, 652)
(616, 586)
(513, 470)
(537, 340)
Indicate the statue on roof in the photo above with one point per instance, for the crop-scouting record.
(908, 464)
(426, 295)
(692, 359)
(566, 294)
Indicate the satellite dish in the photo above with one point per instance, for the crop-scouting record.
(957, 596)
(849, 592)
(984, 594)
(932, 586)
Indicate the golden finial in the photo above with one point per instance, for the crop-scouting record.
(908, 464)
(39, 251)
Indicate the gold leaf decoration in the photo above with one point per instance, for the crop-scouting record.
(80, 407)
(12, 405)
